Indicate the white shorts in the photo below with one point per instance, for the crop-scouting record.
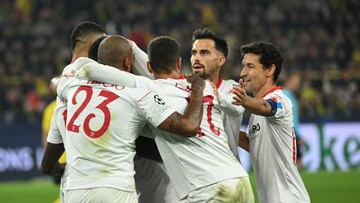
(233, 190)
(101, 194)
(152, 182)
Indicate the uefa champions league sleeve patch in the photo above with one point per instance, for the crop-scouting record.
(159, 100)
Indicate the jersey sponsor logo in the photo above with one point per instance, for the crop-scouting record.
(254, 128)
(159, 100)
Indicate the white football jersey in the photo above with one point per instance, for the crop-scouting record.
(102, 124)
(197, 161)
(232, 115)
(273, 153)
(191, 162)
(57, 126)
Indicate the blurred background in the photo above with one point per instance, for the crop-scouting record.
(320, 41)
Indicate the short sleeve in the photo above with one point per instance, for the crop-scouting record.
(280, 104)
(225, 101)
(54, 135)
(154, 108)
(63, 86)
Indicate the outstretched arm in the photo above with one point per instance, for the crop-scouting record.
(189, 123)
(107, 74)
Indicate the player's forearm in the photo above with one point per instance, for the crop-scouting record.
(194, 111)
(188, 124)
(106, 74)
(244, 141)
(257, 106)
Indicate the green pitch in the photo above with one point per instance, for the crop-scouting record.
(323, 187)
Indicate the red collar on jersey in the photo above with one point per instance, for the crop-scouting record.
(272, 90)
(218, 83)
(182, 76)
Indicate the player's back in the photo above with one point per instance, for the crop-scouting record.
(201, 160)
(102, 125)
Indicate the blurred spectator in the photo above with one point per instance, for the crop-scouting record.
(291, 88)
(316, 36)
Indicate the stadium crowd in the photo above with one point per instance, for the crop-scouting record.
(319, 39)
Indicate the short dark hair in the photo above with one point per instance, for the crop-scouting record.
(206, 33)
(269, 54)
(163, 53)
(94, 47)
(84, 29)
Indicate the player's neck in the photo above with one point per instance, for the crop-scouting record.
(173, 75)
(215, 79)
(264, 90)
(78, 54)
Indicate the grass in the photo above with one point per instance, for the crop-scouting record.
(323, 187)
(35, 191)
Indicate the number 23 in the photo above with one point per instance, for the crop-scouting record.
(102, 106)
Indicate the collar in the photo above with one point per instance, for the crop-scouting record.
(218, 83)
(272, 90)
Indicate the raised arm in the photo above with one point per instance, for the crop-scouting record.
(254, 105)
(141, 59)
(189, 123)
(107, 74)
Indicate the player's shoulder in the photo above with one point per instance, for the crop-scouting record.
(136, 94)
(69, 68)
(278, 95)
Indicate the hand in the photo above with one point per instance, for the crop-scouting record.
(53, 84)
(240, 94)
(197, 83)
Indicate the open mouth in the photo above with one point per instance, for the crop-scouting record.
(197, 66)
(245, 80)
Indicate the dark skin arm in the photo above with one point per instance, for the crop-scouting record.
(254, 105)
(189, 123)
(50, 164)
(244, 141)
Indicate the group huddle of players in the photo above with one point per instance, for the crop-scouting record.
(137, 130)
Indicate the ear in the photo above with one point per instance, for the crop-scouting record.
(148, 65)
(127, 64)
(270, 71)
(221, 61)
(178, 63)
